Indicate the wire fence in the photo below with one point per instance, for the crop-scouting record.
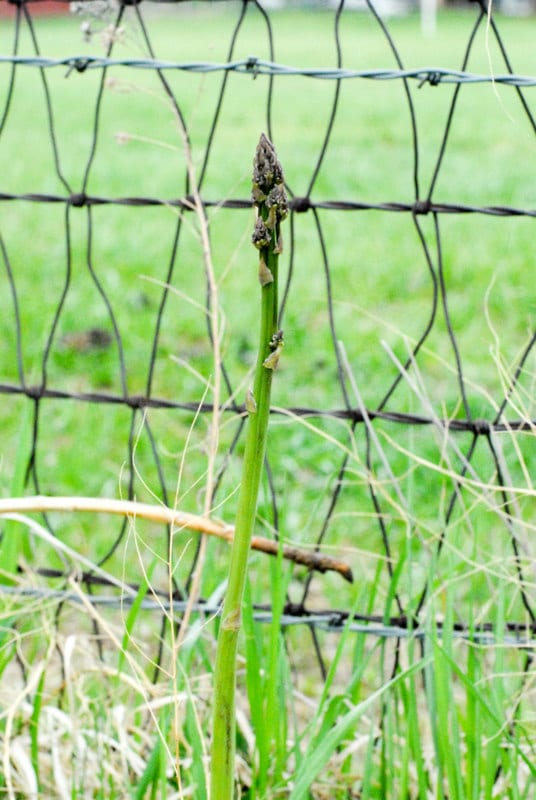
(257, 66)
(408, 452)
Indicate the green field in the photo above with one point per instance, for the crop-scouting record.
(456, 721)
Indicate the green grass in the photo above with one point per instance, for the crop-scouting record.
(451, 720)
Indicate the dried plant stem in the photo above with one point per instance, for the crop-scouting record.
(179, 519)
(269, 197)
(214, 325)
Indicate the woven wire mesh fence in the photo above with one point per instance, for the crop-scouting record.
(401, 441)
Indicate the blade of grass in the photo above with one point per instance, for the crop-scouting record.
(13, 541)
(132, 615)
(255, 681)
(34, 727)
(276, 690)
(316, 759)
(150, 778)
(359, 660)
(449, 753)
(7, 645)
(471, 721)
(492, 756)
(366, 781)
(387, 740)
(153, 778)
(329, 707)
(193, 737)
(489, 711)
(410, 730)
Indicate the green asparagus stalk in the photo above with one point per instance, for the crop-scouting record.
(270, 202)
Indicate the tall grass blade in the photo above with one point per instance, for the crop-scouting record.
(14, 542)
(317, 758)
(34, 727)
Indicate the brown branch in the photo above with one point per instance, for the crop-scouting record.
(179, 520)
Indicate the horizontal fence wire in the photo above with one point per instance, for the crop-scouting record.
(479, 437)
(257, 66)
(330, 621)
(479, 427)
(297, 204)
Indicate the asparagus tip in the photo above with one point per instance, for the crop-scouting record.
(267, 170)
